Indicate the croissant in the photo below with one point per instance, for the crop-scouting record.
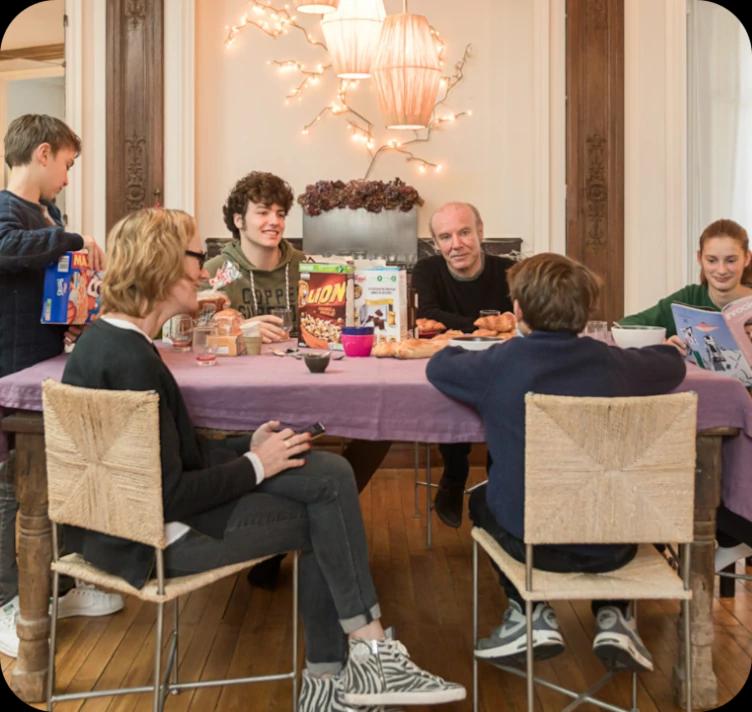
(451, 334)
(429, 325)
(419, 348)
(484, 332)
(384, 349)
(499, 323)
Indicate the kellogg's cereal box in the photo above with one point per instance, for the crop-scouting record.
(381, 301)
(325, 299)
(71, 290)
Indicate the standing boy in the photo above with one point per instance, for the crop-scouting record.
(39, 150)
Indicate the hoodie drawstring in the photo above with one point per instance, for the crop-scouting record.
(287, 290)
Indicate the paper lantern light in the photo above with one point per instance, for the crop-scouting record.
(407, 71)
(316, 7)
(352, 34)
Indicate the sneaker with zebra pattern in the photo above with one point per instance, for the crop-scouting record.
(319, 694)
(380, 672)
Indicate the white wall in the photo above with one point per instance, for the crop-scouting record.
(489, 158)
(514, 83)
(655, 203)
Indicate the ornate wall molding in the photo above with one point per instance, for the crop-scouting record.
(135, 105)
(596, 192)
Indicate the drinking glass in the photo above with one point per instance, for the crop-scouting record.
(489, 312)
(182, 332)
(597, 330)
(206, 353)
(286, 315)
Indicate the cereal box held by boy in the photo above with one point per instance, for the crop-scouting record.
(71, 290)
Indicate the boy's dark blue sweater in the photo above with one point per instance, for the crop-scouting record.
(495, 382)
(28, 243)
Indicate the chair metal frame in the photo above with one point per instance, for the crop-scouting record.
(165, 678)
(683, 565)
(161, 685)
(429, 485)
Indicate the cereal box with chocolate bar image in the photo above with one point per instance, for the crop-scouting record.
(325, 299)
(71, 290)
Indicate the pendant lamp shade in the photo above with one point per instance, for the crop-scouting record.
(316, 7)
(406, 71)
(352, 34)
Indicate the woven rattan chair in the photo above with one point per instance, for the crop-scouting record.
(602, 470)
(104, 474)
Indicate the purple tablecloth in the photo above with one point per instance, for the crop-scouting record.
(379, 399)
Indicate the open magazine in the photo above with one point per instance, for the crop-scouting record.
(718, 341)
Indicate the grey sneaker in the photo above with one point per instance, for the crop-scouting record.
(319, 694)
(508, 643)
(617, 644)
(380, 672)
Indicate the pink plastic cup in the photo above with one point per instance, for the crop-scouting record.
(357, 345)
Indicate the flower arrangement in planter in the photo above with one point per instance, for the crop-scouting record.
(373, 195)
(360, 216)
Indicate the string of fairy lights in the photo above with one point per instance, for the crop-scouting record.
(276, 22)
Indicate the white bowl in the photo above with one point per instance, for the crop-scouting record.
(638, 336)
(475, 343)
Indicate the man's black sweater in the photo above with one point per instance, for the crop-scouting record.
(456, 303)
(28, 243)
(201, 479)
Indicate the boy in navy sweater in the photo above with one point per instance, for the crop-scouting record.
(39, 151)
(552, 299)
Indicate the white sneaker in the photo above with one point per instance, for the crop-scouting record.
(86, 600)
(8, 635)
(725, 555)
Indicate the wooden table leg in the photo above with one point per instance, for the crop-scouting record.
(707, 499)
(29, 677)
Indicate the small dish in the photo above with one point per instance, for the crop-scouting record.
(316, 362)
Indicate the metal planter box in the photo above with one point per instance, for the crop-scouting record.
(390, 233)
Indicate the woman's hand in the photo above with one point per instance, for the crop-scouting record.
(263, 432)
(278, 450)
(677, 342)
(270, 327)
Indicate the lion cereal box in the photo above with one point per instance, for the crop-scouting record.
(325, 298)
(71, 290)
(381, 301)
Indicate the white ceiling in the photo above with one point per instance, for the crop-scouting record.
(39, 24)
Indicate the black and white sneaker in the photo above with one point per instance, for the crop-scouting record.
(617, 644)
(507, 644)
(321, 694)
(380, 672)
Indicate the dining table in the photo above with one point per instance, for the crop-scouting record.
(366, 398)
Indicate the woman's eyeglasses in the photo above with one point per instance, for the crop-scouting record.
(200, 256)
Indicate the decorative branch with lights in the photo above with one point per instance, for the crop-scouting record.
(276, 22)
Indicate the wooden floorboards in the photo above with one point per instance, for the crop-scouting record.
(231, 629)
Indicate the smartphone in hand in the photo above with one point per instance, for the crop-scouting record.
(316, 430)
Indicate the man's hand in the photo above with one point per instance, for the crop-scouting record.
(678, 343)
(271, 328)
(278, 450)
(96, 256)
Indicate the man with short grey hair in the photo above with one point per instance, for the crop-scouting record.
(453, 287)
